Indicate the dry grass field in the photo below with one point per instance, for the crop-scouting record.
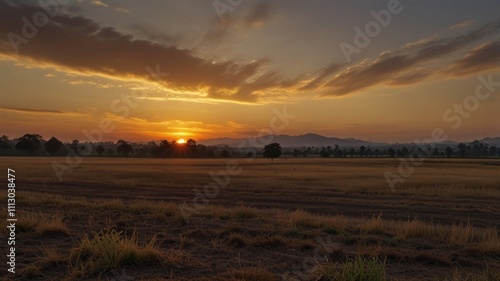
(295, 219)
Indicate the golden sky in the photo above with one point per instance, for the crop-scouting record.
(207, 69)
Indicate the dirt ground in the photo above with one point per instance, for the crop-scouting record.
(231, 245)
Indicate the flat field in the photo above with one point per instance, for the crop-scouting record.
(239, 219)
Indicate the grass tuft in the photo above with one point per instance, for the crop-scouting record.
(358, 269)
(51, 224)
(109, 249)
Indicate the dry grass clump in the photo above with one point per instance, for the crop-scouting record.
(418, 229)
(51, 257)
(26, 222)
(375, 225)
(112, 204)
(244, 213)
(485, 239)
(236, 240)
(357, 269)
(31, 271)
(109, 249)
(488, 274)
(42, 224)
(303, 219)
(51, 224)
(32, 198)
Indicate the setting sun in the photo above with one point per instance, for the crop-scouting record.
(181, 141)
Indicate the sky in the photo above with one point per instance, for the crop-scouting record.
(386, 71)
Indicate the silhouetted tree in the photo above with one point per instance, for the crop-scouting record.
(110, 152)
(493, 151)
(324, 153)
(124, 148)
(210, 153)
(225, 154)
(391, 152)
(192, 149)
(250, 154)
(83, 149)
(296, 153)
(159, 150)
(29, 143)
(337, 152)
(74, 145)
(463, 149)
(4, 143)
(405, 152)
(100, 149)
(362, 150)
(435, 152)
(448, 152)
(272, 150)
(53, 145)
(4, 146)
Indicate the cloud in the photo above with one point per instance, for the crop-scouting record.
(419, 43)
(324, 73)
(259, 14)
(36, 111)
(463, 24)
(222, 27)
(98, 3)
(482, 58)
(122, 10)
(80, 44)
(411, 77)
(404, 66)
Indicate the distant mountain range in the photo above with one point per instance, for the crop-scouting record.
(495, 141)
(293, 141)
(314, 140)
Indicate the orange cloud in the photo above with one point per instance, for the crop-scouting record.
(410, 64)
(80, 44)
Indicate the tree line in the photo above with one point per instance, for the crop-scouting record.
(35, 145)
(475, 149)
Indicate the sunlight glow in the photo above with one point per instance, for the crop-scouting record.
(181, 141)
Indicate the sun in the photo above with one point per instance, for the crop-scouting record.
(181, 141)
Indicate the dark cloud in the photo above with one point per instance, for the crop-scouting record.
(411, 77)
(324, 73)
(402, 67)
(366, 75)
(81, 44)
(482, 58)
(30, 110)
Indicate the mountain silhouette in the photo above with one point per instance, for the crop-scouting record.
(292, 141)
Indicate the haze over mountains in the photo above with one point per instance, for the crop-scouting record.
(310, 140)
